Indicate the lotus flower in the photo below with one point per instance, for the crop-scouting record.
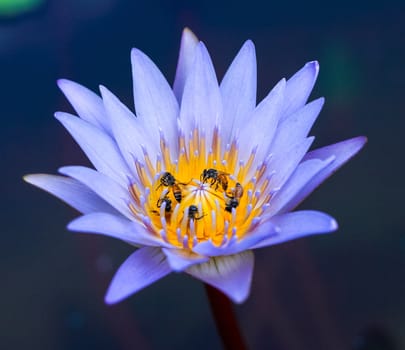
(201, 175)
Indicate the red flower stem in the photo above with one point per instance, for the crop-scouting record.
(227, 325)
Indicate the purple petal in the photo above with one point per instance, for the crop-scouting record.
(234, 246)
(342, 151)
(71, 192)
(105, 187)
(188, 46)
(126, 128)
(142, 268)
(296, 127)
(299, 224)
(86, 103)
(181, 259)
(262, 124)
(238, 90)
(99, 147)
(201, 105)
(304, 173)
(155, 103)
(230, 274)
(299, 87)
(286, 163)
(117, 227)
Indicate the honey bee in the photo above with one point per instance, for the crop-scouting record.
(234, 199)
(168, 180)
(215, 177)
(193, 212)
(166, 200)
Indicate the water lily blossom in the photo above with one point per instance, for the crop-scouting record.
(201, 175)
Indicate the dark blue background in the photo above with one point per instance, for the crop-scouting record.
(340, 291)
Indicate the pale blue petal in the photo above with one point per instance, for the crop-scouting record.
(127, 129)
(263, 231)
(238, 90)
(299, 224)
(86, 103)
(299, 87)
(181, 259)
(296, 126)
(71, 192)
(112, 192)
(117, 227)
(342, 151)
(304, 173)
(230, 274)
(286, 163)
(99, 147)
(155, 103)
(201, 105)
(262, 125)
(142, 268)
(188, 46)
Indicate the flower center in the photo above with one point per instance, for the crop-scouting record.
(206, 192)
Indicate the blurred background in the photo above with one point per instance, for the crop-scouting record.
(340, 291)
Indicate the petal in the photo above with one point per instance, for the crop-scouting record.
(142, 268)
(262, 124)
(181, 259)
(299, 87)
(299, 224)
(71, 192)
(238, 90)
(304, 173)
(342, 151)
(233, 246)
(105, 187)
(117, 227)
(287, 162)
(99, 147)
(296, 127)
(126, 129)
(230, 274)
(155, 103)
(201, 106)
(188, 46)
(86, 103)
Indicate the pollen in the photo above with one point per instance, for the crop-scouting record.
(205, 192)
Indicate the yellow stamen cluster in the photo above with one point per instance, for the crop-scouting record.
(203, 211)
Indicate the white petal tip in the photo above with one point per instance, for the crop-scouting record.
(103, 89)
(35, 179)
(64, 170)
(111, 300)
(29, 178)
(321, 101)
(355, 144)
(62, 83)
(249, 45)
(60, 116)
(362, 140)
(72, 226)
(333, 225)
(136, 55)
(187, 32)
(313, 64)
(239, 297)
